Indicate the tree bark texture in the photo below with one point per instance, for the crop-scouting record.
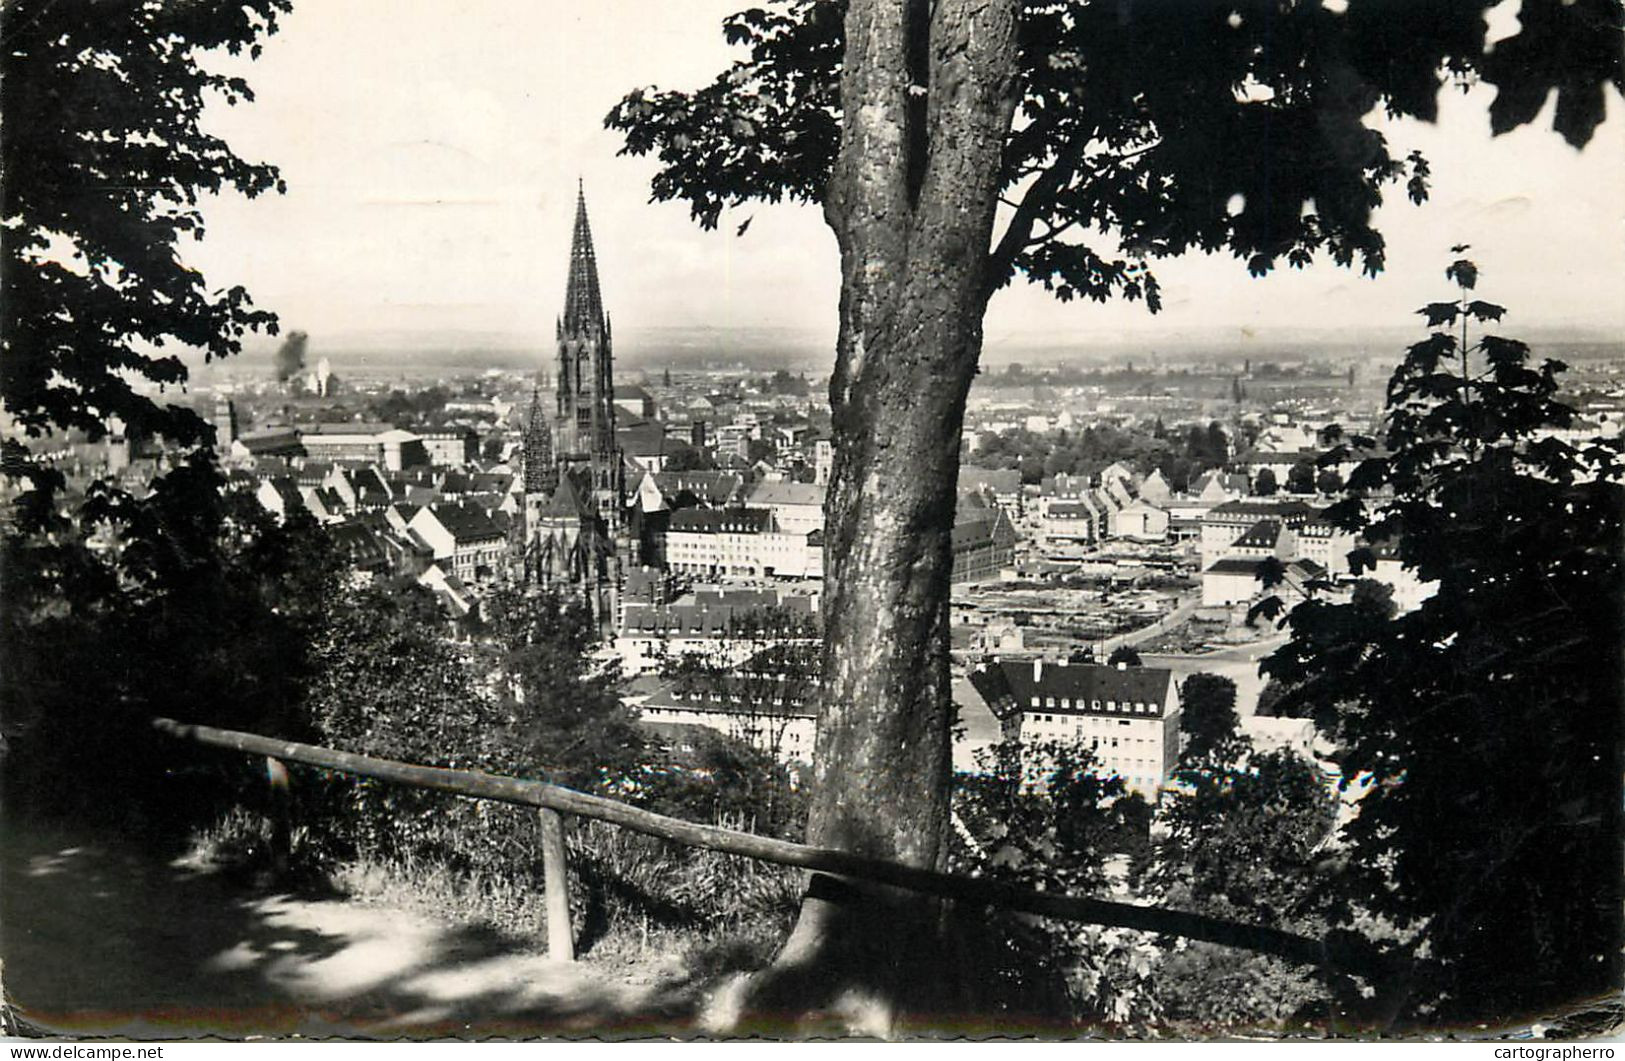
(928, 92)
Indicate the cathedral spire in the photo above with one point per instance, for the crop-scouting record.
(541, 475)
(583, 304)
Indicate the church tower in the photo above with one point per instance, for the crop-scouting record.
(584, 424)
(573, 483)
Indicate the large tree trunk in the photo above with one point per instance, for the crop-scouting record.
(928, 92)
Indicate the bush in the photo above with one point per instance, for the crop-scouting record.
(1041, 816)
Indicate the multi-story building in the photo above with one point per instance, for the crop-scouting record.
(823, 459)
(1128, 717)
(739, 542)
(1226, 522)
(778, 717)
(984, 541)
(451, 447)
(1140, 519)
(1070, 525)
(798, 508)
(467, 543)
(380, 444)
(1409, 590)
(1327, 545)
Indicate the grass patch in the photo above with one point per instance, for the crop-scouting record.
(643, 909)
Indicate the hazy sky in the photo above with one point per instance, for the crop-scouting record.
(431, 150)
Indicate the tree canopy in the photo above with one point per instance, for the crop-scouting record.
(106, 159)
(957, 143)
(1147, 130)
(1207, 713)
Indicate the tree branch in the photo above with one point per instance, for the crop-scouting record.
(1039, 195)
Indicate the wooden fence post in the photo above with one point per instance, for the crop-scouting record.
(556, 881)
(276, 772)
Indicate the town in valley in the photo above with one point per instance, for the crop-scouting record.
(1114, 512)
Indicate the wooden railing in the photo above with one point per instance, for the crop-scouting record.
(1338, 955)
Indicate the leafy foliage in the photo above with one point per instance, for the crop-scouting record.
(1159, 128)
(177, 600)
(566, 721)
(1207, 713)
(1240, 835)
(387, 683)
(1300, 478)
(1178, 457)
(187, 603)
(1042, 815)
(1485, 721)
(106, 159)
(1124, 654)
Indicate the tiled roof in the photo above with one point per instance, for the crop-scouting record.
(735, 697)
(1251, 510)
(977, 527)
(362, 545)
(274, 440)
(646, 439)
(787, 493)
(721, 521)
(1261, 535)
(1235, 565)
(566, 500)
(1011, 686)
(288, 491)
(466, 523)
(1073, 509)
(347, 428)
(714, 488)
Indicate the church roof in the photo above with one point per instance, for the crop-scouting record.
(643, 439)
(566, 500)
(583, 304)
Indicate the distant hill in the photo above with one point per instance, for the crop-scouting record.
(684, 348)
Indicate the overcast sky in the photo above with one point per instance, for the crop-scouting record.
(431, 150)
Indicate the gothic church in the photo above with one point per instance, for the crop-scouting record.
(573, 471)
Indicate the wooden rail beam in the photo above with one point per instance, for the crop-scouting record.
(1340, 954)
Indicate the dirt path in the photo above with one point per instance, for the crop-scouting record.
(99, 938)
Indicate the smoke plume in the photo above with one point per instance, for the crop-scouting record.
(290, 356)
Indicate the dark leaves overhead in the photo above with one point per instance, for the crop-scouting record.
(766, 129)
(105, 160)
(1571, 47)
(1149, 129)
